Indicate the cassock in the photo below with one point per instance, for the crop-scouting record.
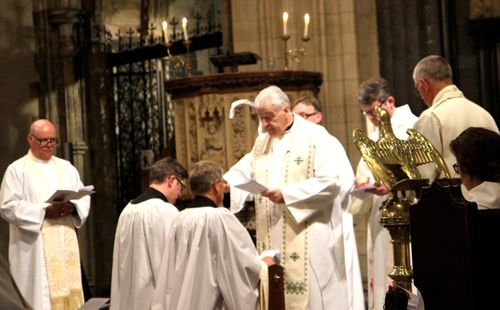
(307, 228)
(379, 248)
(210, 263)
(42, 253)
(140, 238)
(450, 114)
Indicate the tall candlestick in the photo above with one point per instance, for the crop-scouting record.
(306, 24)
(285, 20)
(164, 25)
(184, 28)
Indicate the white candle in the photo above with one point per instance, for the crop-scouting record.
(285, 20)
(306, 25)
(164, 25)
(184, 28)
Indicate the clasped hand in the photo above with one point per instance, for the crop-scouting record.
(59, 210)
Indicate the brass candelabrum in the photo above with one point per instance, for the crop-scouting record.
(180, 62)
(294, 54)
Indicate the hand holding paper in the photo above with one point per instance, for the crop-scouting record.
(63, 196)
(248, 185)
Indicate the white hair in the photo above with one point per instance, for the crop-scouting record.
(272, 95)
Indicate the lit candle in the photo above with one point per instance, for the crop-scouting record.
(306, 25)
(164, 25)
(285, 20)
(184, 28)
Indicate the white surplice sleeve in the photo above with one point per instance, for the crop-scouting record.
(82, 205)
(16, 197)
(241, 170)
(304, 199)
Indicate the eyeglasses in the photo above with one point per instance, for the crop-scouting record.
(306, 115)
(182, 185)
(371, 112)
(45, 141)
(457, 168)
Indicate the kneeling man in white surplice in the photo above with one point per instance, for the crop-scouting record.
(210, 261)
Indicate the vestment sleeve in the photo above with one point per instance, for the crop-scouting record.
(15, 208)
(82, 205)
(304, 199)
(241, 170)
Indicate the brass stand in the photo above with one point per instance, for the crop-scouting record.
(395, 217)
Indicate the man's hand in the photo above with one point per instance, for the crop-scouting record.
(380, 190)
(268, 260)
(274, 195)
(361, 181)
(59, 210)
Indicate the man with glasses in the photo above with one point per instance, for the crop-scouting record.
(376, 92)
(449, 112)
(141, 235)
(43, 248)
(210, 261)
(300, 212)
(309, 109)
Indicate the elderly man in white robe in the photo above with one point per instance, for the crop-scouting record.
(210, 261)
(376, 92)
(43, 247)
(309, 109)
(449, 112)
(141, 235)
(300, 212)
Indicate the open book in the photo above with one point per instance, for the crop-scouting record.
(63, 195)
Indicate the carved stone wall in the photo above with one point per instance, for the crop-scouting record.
(203, 129)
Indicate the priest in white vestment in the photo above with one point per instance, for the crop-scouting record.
(141, 235)
(300, 212)
(309, 109)
(449, 112)
(376, 92)
(210, 261)
(43, 248)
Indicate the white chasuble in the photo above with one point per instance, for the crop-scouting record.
(61, 252)
(297, 166)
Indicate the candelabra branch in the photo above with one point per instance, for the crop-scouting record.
(294, 54)
(180, 62)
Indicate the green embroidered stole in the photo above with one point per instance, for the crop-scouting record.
(297, 167)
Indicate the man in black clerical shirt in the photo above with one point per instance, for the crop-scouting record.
(141, 236)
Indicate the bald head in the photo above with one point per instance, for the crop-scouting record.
(42, 139)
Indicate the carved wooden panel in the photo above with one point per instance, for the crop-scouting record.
(203, 129)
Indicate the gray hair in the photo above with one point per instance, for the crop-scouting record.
(164, 168)
(272, 95)
(433, 67)
(374, 89)
(203, 174)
